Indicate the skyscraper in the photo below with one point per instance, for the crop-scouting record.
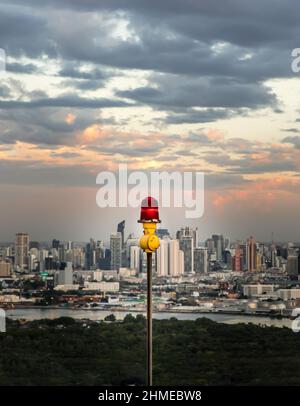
(135, 257)
(186, 244)
(163, 258)
(170, 260)
(22, 250)
(90, 254)
(218, 240)
(121, 229)
(251, 254)
(180, 262)
(188, 232)
(292, 265)
(201, 260)
(55, 243)
(116, 251)
(237, 260)
(174, 257)
(62, 253)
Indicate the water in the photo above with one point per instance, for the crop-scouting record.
(99, 314)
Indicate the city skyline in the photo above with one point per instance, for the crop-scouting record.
(181, 254)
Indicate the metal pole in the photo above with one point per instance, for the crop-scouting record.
(149, 319)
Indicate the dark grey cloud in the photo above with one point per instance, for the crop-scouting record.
(83, 85)
(71, 70)
(24, 32)
(45, 126)
(84, 79)
(171, 91)
(17, 67)
(191, 116)
(67, 100)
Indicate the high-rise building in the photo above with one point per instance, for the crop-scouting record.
(116, 251)
(218, 240)
(174, 258)
(292, 265)
(22, 250)
(251, 254)
(259, 261)
(90, 254)
(135, 257)
(130, 242)
(201, 260)
(237, 260)
(78, 258)
(121, 229)
(104, 263)
(180, 262)
(5, 268)
(188, 232)
(163, 258)
(62, 253)
(170, 260)
(55, 244)
(49, 263)
(186, 244)
(209, 243)
(273, 255)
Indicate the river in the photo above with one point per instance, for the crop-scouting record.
(99, 314)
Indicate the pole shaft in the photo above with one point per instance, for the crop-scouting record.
(149, 319)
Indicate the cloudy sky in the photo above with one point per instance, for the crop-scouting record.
(164, 85)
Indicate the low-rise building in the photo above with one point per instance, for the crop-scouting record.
(258, 289)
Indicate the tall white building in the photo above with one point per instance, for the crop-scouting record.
(135, 257)
(170, 260)
(163, 258)
(173, 257)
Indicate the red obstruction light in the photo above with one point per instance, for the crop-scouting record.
(149, 211)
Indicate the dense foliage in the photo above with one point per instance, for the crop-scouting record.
(68, 352)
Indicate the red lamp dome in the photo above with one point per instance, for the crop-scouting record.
(149, 211)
